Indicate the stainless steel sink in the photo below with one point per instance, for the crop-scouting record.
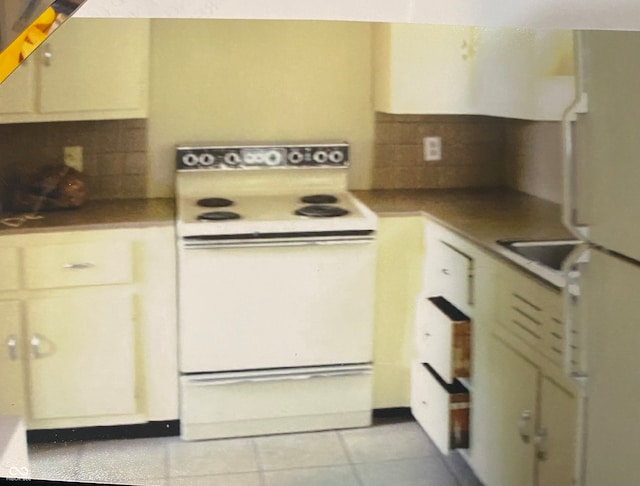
(543, 257)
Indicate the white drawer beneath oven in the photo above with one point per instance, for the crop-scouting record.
(238, 404)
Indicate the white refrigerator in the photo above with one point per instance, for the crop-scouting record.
(602, 208)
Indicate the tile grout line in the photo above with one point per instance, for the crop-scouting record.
(259, 464)
(352, 464)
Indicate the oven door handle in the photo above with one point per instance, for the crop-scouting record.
(208, 381)
(220, 245)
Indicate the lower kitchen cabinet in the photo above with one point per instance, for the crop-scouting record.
(521, 409)
(89, 331)
(11, 359)
(398, 276)
(534, 423)
(82, 354)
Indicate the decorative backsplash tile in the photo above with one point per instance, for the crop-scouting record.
(114, 154)
(472, 151)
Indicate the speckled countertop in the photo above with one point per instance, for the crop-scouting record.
(482, 216)
(100, 214)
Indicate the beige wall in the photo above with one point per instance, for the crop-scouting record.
(533, 155)
(262, 81)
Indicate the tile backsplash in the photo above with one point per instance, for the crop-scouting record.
(114, 154)
(472, 151)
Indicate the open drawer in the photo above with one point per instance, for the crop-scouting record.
(443, 338)
(442, 409)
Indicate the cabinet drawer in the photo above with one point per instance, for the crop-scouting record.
(278, 401)
(449, 273)
(79, 264)
(443, 337)
(441, 409)
(9, 276)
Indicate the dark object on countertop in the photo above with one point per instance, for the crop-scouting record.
(52, 187)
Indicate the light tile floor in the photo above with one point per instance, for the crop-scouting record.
(398, 454)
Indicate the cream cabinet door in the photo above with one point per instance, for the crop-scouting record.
(523, 73)
(18, 90)
(95, 65)
(422, 69)
(11, 359)
(556, 450)
(514, 392)
(82, 354)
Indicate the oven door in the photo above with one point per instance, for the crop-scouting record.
(275, 303)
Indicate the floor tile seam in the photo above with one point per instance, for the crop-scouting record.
(357, 475)
(258, 457)
(453, 470)
(300, 468)
(220, 473)
(350, 466)
(167, 458)
(398, 459)
(207, 475)
(345, 446)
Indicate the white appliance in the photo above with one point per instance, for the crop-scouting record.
(602, 179)
(276, 272)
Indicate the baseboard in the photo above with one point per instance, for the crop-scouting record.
(391, 415)
(166, 428)
(131, 431)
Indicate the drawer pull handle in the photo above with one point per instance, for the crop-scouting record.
(35, 342)
(78, 266)
(523, 423)
(12, 347)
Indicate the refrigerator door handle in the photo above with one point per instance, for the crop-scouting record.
(579, 105)
(574, 362)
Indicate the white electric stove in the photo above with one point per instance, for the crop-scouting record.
(276, 270)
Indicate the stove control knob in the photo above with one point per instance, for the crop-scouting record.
(190, 160)
(273, 158)
(320, 157)
(206, 159)
(232, 158)
(336, 156)
(295, 157)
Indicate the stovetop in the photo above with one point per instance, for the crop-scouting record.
(260, 189)
(272, 213)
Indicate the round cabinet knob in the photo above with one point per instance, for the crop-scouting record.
(206, 159)
(231, 158)
(273, 158)
(320, 157)
(295, 157)
(336, 156)
(190, 160)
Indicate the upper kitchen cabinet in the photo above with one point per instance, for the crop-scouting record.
(523, 73)
(89, 69)
(441, 69)
(422, 69)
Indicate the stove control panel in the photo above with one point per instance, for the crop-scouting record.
(216, 157)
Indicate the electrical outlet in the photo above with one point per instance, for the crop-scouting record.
(73, 157)
(432, 148)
